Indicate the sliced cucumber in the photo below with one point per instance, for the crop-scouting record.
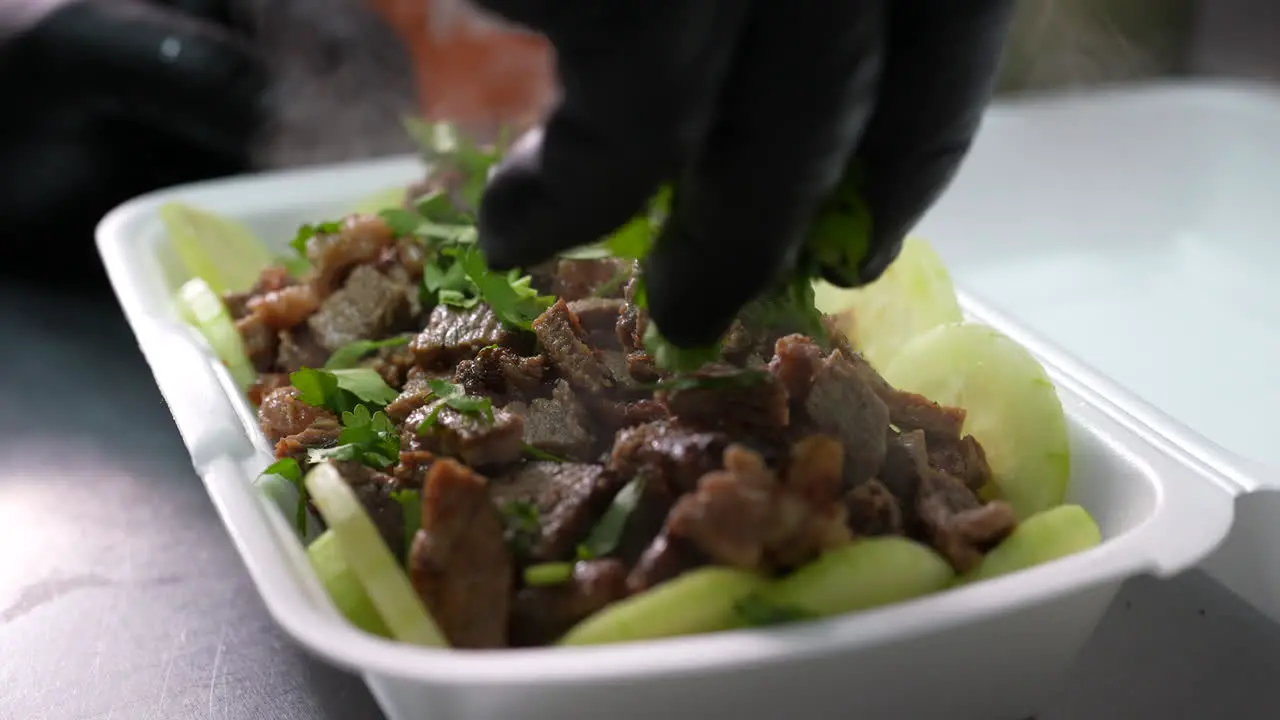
(284, 494)
(864, 574)
(199, 305)
(369, 559)
(218, 250)
(1049, 535)
(701, 601)
(343, 586)
(1012, 407)
(913, 295)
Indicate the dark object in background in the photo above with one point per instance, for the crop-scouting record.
(106, 100)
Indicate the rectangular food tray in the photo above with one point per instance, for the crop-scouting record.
(994, 650)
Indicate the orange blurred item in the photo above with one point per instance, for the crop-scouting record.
(472, 68)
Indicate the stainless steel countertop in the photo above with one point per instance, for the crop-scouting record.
(121, 596)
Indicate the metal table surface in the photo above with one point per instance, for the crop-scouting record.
(122, 597)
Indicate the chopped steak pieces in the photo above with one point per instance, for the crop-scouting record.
(459, 562)
(560, 469)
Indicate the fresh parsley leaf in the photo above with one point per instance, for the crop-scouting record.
(369, 438)
(401, 221)
(756, 611)
(456, 397)
(603, 538)
(632, 241)
(539, 454)
(450, 286)
(289, 469)
(515, 303)
(670, 356)
(351, 353)
(788, 309)
(436, 206)
(341, 390)
(308, 231)
(522, 526)
(548, 574)
(411, 506)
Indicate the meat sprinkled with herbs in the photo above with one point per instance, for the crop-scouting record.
(531, 462)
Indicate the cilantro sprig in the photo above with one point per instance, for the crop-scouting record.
(607, 533)
(522, 525)
(348, 355)
(290, 470)
(369, 438)
(342, 390)
(456, 397)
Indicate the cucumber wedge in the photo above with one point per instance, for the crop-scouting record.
(1052, 534)
(913, 295)
(1013, 408)
(343, 586)
(200, 306)
(864, 574)
(218, 250)
(701, 601)
(368, 558)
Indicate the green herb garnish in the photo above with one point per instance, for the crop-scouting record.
(310, 230)
(456, 397)
(522, 526)
(511, 297)
(604, 537)
(342, 390)
(411, 506)
(289, 469)
(539, 454)
(548, 574)
(736, 379)
(351, 353)
(367, 438)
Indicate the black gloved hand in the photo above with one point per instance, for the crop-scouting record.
(104, 100)
(754, 108)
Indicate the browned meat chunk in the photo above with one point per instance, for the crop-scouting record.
(540, 615)
(910, 411)
(374, 490)
(282, 413)
(393, 363)
(906, 459)
(963, 458)
(414, 394)
(299, 349)
(265, 385)
(957, 523)
(633, 320)
(795, 362)
(666, 558)
(729, 399)
(567, 499)
(411, 471)
(282, 309)
(578, 279)
(502, 374)
(260, 341)
(475, 439)
(369, 306)
(454, 334)
(599, 320)
(670, 456)
(324, 433)
(459, 562)
(873, 510)
(404, 259)
(557, 425)
(841, 404)
(743, 516)
(361, 240)
(561, 339)
(642, 368)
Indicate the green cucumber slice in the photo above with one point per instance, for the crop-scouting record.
(913, 295)
(369, 559)
(863, 574)
(216, 249)
(200, 306)
(1013, 408)
(343, 586)
(700, 601)
(1049, 535)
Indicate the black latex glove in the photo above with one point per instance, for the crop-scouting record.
(106, 99)
(754, 108)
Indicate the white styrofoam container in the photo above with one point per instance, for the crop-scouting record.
(1139, 229)
(993, 651)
